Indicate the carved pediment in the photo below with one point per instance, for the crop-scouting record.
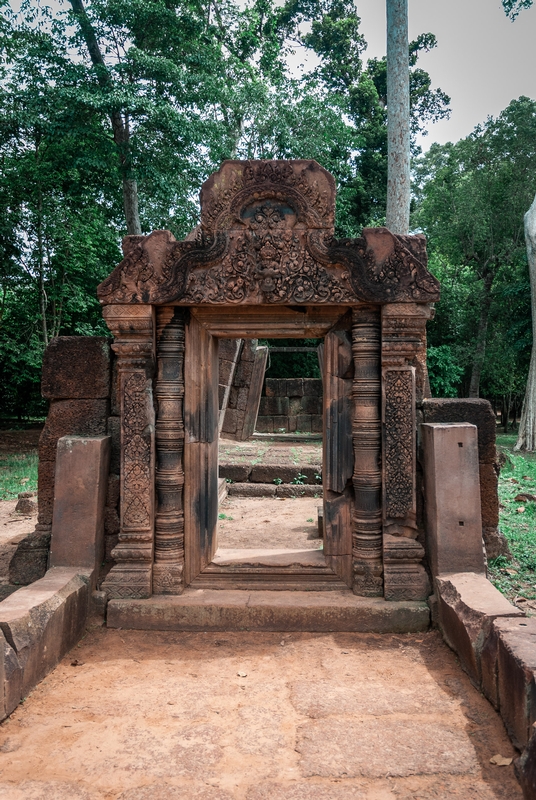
(266, 236)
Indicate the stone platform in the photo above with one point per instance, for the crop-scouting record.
(236, 610)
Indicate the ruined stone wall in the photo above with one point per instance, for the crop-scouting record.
(245, 392)
(480, 413)
(291, 404)
(76, 379)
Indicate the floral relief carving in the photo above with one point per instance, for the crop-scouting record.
(267, 236)
(399, 442)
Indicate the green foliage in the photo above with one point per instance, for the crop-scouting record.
(444, 373)
(471, 198)
(513, 7)
(293, 365)
(18, 473)
(517, 578)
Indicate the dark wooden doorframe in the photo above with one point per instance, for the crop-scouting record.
(205, 327)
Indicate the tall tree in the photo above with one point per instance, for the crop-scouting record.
(513, 7)
(526, 439)
(398, 118)
(471, 200)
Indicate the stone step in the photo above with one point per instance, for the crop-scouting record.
(235, 610)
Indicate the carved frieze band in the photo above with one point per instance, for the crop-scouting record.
(366, 438)
(131, 575)
(169, 396)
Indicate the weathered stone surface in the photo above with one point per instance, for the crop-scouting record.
(26, 506)
(42, 621)
(113, 430)
(489, 496)
(452, 498)
(81, 485)
(333, 748)
(403, 574)
(10, 678)
(516, 667)
(76, 367)
(297, 490)
(496, 543)
(270, 472)
(468, 409)
(251, 490)
(72, 418)
(525, 768)
(273, 405)
(206, 610)
(29, 563)
(468, 605)
(112, 495)
(235, 472)
(45, 491)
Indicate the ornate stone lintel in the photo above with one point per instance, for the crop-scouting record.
(404, 576)
(132, 327)
(169, 395)
(366, 438)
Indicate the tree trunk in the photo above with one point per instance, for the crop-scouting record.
(480, 350)
(398, 119)
(526, 438)
(120, 128)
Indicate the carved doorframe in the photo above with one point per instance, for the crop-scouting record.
(266, 241)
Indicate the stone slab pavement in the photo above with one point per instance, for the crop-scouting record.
(133, 715)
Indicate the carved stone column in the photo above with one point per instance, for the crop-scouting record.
(132, 327)
(366, 437)
(169, 396)
(404, 383)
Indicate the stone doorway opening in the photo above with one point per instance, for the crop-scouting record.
(271, 504)
(265, 534)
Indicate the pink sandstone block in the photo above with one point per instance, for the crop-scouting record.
(80, 489)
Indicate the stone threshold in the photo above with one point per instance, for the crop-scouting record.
(237, 610)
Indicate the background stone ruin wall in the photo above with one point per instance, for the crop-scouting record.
(291, 404)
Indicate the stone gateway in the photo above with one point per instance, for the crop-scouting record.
(264, 262)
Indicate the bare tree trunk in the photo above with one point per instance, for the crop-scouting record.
(120, 128)
(40, 256)
(526, 438)
(480, 350)
(398, 119)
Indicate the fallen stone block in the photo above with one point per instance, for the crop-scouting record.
(516, 670)
(525, 768)
(40, 623)
(468, 604)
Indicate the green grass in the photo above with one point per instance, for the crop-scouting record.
(18, 473)
(516, 578)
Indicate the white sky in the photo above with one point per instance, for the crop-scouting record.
(482, 60)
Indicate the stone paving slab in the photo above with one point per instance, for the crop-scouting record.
(206, 716)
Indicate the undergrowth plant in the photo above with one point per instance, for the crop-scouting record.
(18, 473)
(516, 578)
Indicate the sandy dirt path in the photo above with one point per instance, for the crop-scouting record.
(249, 716)
(269, 522)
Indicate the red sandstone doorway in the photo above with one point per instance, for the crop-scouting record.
(205, 566)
